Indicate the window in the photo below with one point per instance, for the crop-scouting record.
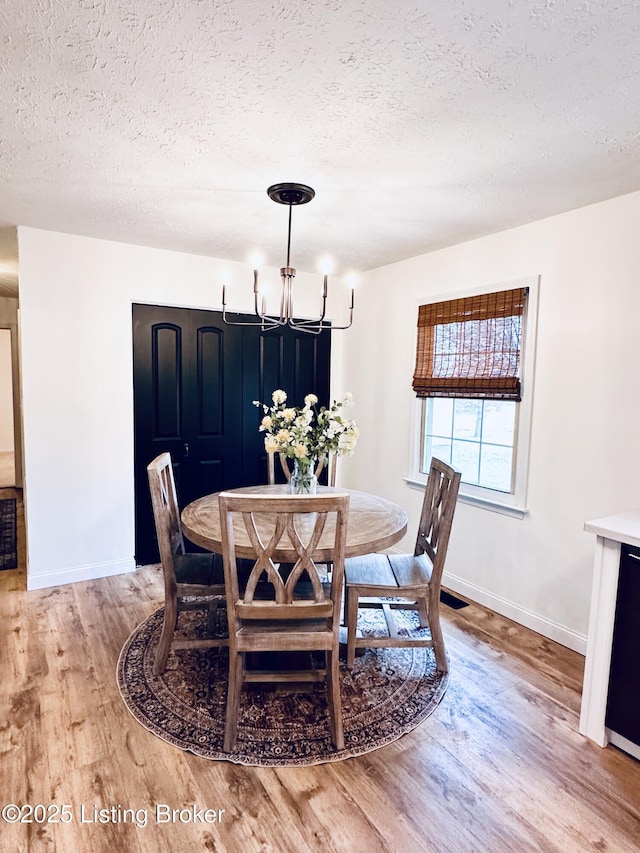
(475, 436)
(473, 406)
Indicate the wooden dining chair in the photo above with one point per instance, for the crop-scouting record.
(298, 613)
(284, 464)
(415, 578)
(198, 577)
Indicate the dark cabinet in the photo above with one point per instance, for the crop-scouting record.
(623, 704)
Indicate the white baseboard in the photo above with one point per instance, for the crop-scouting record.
(623, 743)
(80, 573)
(539, 624)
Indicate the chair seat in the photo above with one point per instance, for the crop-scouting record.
(369, 570)
(199, 569)
(207, 569)
(411, 570)
(388, 572)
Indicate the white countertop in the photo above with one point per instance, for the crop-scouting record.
(623, 527)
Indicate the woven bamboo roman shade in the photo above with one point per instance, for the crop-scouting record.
(470, 347)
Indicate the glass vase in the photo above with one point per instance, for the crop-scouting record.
(303, 479)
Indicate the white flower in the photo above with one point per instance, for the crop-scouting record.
(310, 400)
(266, 422)
(303, 421)
(283, 436)
(279, 397)
(289, 415)
(347, 443)
(300, 450)
(347, 399)
(271, 444)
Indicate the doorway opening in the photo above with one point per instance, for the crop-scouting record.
(7, 431)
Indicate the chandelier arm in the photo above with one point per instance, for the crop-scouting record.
(350, 323)
(310, 330)
(338, 328)
(266, 323)
(319, 325)
(314, 321)
(273, 321)
(315, 330)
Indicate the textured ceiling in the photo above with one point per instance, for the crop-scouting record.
(419, 124)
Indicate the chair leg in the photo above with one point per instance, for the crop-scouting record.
(333, 698)
(436, 634)
(212, 617)
(166, 637)
(345, 599)
(423, 612)
(234, 692)
(351, 606)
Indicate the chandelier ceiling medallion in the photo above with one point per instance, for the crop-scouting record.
(290, 194)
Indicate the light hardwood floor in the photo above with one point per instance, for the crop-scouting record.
(499, 766)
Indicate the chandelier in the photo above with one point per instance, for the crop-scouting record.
(290, 194)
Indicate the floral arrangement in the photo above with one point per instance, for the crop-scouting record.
(308, 433)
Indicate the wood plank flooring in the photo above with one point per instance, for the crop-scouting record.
(499, 766)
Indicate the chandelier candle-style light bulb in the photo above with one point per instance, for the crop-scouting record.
(289, 194)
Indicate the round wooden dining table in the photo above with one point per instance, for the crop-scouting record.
(374, 524)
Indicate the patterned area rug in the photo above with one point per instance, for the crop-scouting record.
(387, 693)
(8, 539)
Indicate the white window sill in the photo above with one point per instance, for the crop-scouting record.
(482, 503)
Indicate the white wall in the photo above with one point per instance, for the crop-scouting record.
(76, 343)
(585, 453)
(6, 392)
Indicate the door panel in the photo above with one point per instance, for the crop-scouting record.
(195, 379)
(305, 361)
(210, 344)
(166, 348)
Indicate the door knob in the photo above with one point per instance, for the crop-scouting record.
(186, 450)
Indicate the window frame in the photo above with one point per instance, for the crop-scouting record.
(512, 503)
